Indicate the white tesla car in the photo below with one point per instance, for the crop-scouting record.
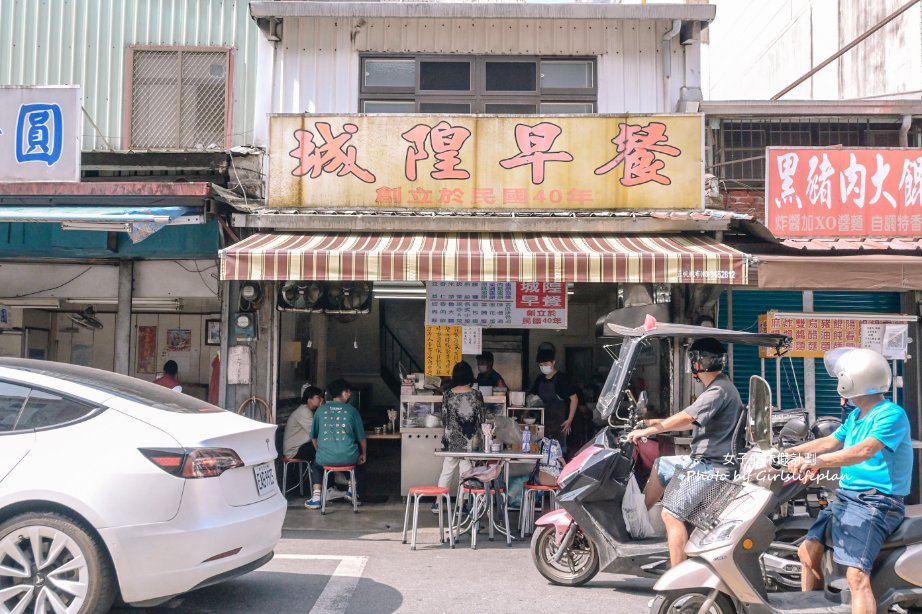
(113, 486)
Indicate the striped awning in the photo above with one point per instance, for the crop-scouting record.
(484, 257)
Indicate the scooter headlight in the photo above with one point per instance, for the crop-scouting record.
(719, 533)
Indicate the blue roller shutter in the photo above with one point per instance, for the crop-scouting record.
(827, 399)
(748, 305)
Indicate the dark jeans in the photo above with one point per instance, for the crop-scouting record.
(306, 452)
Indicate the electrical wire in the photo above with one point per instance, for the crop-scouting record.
(72, 279)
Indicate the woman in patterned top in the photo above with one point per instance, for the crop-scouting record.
(462, 415)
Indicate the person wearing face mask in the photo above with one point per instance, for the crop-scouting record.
(559, 398)
(486, 376)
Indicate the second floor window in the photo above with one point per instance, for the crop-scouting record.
(178, 98)
(502, 85)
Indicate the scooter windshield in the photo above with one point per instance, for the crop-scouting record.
(612, 390)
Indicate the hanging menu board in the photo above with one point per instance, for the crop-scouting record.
(497, 305)
(812, 334)
(443, 349)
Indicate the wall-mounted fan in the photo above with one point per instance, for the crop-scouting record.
(348, 298)
(300, 296)
(86, 319)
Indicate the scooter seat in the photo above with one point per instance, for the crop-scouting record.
(909, 531)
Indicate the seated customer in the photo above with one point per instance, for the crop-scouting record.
(297, 443)
(338, 437)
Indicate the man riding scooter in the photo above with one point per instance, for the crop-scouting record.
(874, 451)
(713, 418)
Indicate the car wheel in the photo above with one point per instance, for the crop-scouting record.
(49, 563)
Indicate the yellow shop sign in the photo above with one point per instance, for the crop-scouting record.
(486, 162)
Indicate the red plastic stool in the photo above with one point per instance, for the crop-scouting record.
(428, 491)
(463, 492)
(527, 511)
(327, 470)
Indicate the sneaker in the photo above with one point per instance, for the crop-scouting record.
(313, 503)
(349, 498)
(333, 494)
(435, 507)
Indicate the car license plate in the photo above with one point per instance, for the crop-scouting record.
(265, 478)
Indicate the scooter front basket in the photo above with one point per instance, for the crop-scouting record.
(699, 498)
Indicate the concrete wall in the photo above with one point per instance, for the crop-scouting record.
(758, 48)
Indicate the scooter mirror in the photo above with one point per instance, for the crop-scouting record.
(760, 413)
(641, 403)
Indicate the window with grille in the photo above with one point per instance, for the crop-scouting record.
(516, 85)
(738, 145)
(179, 98)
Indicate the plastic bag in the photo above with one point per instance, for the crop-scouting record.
(484, 473)
(634, 510)
(506, 431)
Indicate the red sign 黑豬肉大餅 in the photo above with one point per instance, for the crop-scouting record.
(813, 192)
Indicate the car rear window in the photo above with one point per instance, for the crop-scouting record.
(116, 384)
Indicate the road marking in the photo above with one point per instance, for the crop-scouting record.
(339, 589)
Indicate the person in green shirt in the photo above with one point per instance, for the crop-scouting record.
(338, 437)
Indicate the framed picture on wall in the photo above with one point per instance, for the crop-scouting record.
(212, 332)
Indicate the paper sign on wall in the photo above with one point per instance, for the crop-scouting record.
(443, 349)
(471, 339)
(497, 305)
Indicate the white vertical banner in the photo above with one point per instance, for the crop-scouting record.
(471, 339)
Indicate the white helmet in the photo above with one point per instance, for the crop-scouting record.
(858, 371)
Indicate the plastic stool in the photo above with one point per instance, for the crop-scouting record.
(428, 491)
(327, 470)
(527, 511)
(463, 492)
(303, 468)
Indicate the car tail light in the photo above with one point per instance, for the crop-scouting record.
(193, 463)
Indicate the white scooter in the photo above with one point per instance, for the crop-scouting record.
(723, 573)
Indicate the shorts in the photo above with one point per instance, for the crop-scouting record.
(666, 466)
(861, 523)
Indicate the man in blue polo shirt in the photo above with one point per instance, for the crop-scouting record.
(874, 452)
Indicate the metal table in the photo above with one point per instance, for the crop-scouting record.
(505, 457)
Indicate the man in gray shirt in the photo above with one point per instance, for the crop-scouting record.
(713, 418)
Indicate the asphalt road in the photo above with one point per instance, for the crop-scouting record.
(363, 570)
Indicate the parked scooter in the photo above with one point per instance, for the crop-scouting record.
(587, 534)
(723, 572)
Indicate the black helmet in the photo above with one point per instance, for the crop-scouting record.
(795, 430)
(824, 427)
(709, 353)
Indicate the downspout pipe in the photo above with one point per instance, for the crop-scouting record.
(667, 46)
(904, 130)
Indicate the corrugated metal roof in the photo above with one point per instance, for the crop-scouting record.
(813, 245)
(84, 42)
(483, 10)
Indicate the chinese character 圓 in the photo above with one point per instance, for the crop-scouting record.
(446, 142)
(39, 133)
(534, 143)
(330, 155)
(637, 148)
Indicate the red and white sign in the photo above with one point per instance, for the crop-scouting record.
(843, 192)
(497, 305)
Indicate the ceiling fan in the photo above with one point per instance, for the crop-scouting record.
(86, 319)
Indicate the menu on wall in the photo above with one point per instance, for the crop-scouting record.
(443, 349)
(497, 305)
(813, 334)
